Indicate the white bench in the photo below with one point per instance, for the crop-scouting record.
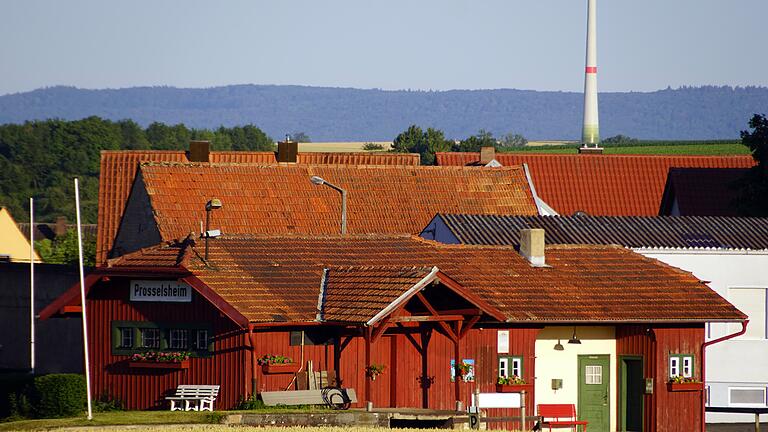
(194, 397)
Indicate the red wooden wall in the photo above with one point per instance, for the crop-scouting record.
(665, 410)
(146, 388)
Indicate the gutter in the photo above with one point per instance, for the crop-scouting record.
(704, 367)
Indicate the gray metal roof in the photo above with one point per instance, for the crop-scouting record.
(629, 231)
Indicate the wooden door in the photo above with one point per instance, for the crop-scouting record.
(594, 379)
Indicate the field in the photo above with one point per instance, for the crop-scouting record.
(714, 148)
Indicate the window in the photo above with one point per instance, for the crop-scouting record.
(593, 374)
(132, 337)
(126, 337)
(680, 365)
(150, 338)
(753, 302)
(747, 396)
(201, 339)
(510, 366)
(178, 339)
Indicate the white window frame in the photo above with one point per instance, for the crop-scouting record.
(178, 339)
(510, 365)
(681, 365)
(674, 366)
(748, 405)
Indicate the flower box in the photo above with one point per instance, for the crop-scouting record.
(514, 388)
(184, 364)
(685, 387)
(280, 368)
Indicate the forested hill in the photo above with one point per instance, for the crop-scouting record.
(340, 114)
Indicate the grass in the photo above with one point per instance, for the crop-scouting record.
(174, 428)
(115, 418)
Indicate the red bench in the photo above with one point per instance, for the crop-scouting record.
(559, 416)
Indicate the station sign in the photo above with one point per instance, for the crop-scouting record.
(160, 291)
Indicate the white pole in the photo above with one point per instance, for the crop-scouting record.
(590, 130)
(82, 301)
(31, 285)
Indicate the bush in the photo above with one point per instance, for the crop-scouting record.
(59, 395)
(251, 403)
(106, 403)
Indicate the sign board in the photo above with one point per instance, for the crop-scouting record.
(160, 291)
(497, 400)
(502, 343)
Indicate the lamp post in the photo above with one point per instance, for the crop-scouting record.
(320, 181)
(213, 204)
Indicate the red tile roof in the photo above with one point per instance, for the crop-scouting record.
(357, 294)
(702, 191)
(118, 169)
(277, 278)
(601, 185)
(280, 199)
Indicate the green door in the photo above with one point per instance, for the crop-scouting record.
(594, 377)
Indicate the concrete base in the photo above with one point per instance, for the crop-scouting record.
(590, 150)
(377, 418)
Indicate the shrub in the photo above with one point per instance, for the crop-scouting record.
(59, 395)
(251, 403)
(369, 146)
(106, 403)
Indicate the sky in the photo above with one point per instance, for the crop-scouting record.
(389, 44)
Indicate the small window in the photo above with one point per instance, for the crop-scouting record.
(150, 338)
(126, 337)
(680, 365)
(178, 339)
(201, 340)
(747, 397)
(510, 366)
(593, 374)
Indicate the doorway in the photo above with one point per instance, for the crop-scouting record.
(594, 402)
(631, 393)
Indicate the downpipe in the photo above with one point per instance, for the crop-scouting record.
(704, 368)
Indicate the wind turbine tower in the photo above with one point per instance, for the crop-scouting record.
(590, 134)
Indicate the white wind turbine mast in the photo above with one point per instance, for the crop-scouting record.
(590, 131)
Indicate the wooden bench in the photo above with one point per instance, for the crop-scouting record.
(194, 397)
(559, 416)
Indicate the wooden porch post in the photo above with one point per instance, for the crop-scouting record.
(457, 349)
(367, 364)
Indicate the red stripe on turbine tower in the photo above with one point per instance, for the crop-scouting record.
(591, 69)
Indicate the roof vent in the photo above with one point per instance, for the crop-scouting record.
(487, 154)
(532, 246)
(287, 151)
(199, 151)
(591, 150)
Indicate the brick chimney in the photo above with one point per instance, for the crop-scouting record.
(199, 151)
(288, 150)
(532, 246)
(487, 154)
(61, 226)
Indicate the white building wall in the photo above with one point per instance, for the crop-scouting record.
(551, 364)
(740, 362)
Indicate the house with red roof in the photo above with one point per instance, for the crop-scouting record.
(559, 322)
(405, 322)
(599, 184)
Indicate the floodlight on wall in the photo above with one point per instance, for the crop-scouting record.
(213, 204)
(559, 346)
(574, 339)
(320, 182)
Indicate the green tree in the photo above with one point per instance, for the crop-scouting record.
(426, 143)
(753, 195)
(476, 142)
(619, 140)
(512, 140)
(64, 250)
(300, 137)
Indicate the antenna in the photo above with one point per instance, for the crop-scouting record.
(590, 133)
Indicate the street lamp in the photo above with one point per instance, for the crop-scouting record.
(320, 181)
(213, 204)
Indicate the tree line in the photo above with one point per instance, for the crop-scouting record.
(39, 159)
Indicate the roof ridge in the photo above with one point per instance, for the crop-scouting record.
(287, 165)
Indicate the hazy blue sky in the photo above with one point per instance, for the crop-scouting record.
(393, 44)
